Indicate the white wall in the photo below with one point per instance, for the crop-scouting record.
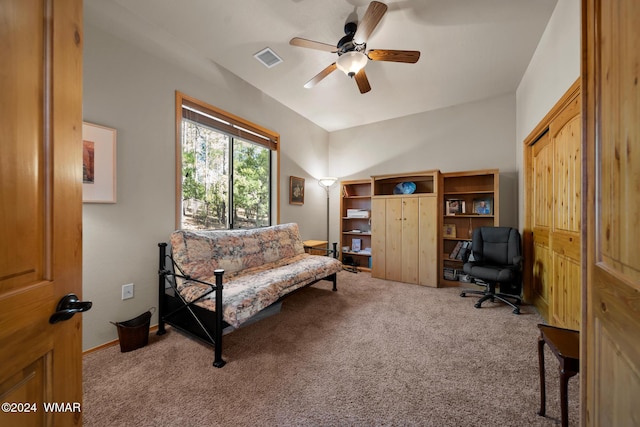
(477, 135)
(554, 67)
(134, 92)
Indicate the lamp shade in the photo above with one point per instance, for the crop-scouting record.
(351, 62)
(327, 181)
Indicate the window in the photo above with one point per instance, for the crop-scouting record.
(223, 169)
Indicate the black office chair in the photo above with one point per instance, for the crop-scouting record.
(496, 259)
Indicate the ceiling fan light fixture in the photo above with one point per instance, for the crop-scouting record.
(352, 62)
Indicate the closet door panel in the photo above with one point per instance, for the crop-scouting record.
(393, 246)
(542, 208)
(410, 240)
(565, 237)
(428, 237)
(378, 238)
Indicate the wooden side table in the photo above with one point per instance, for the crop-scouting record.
(565, 345)
(320, 245)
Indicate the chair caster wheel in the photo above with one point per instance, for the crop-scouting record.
(516, 311)
(477, 305)
(463, 294)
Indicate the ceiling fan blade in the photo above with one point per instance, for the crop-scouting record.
(372, 16)
(297, 41)
(362, 81)
(410, 56)
(321, 75)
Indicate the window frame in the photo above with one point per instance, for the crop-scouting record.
(236, 127)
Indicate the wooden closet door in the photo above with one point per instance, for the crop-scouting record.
(542, 208)
(393, 246)
(552, 249)
(565, 133)
(428, 241)
(378, 238)
(610, 342)
(410, 240)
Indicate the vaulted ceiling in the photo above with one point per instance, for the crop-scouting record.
(470, 49)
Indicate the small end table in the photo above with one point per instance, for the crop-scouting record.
(316, 247)
(565, 345)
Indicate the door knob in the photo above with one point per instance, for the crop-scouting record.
(67, 307)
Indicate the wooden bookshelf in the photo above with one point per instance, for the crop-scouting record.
(478, 192)
(355, 195)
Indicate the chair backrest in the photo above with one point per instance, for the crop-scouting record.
(495, 245)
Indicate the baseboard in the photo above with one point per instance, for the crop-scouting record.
(153, 328)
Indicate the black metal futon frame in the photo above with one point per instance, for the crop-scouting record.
(190, 318)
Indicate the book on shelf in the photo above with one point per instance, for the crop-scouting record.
(455, 250)
(450, 273)
(463, 254)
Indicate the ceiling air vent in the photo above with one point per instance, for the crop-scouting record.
(268, 57)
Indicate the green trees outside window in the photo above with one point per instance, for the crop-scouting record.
(212, 164)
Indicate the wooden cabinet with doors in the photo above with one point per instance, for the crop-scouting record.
(405, 228)
(470, 199)
(552, 208)
(355, 223)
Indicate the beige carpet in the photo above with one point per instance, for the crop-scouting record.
(373, 353)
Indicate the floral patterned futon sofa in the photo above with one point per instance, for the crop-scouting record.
(260, 265)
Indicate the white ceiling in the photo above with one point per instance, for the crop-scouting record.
(470, 49)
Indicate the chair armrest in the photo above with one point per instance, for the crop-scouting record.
(517, 260)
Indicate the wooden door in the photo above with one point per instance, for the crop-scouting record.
(428, 238)
(541, 212)
(378, 238)
(610, 340)
(393, 238)
(40, 209)
(565, 134)
(409, 255)
(553, 219)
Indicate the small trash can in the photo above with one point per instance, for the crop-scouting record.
(134, 334)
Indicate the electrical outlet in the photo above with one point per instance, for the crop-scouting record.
(127, 291)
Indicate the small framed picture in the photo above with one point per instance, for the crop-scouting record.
(449, 230)
(454, 207)
(356, 245)
(483, 206)
(296, 190)
(98, 164)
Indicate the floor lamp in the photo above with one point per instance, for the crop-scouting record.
(327, 183)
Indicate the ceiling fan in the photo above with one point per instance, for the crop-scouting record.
(352, 49)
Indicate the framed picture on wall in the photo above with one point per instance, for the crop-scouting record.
(296, 190)
(98, 164)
